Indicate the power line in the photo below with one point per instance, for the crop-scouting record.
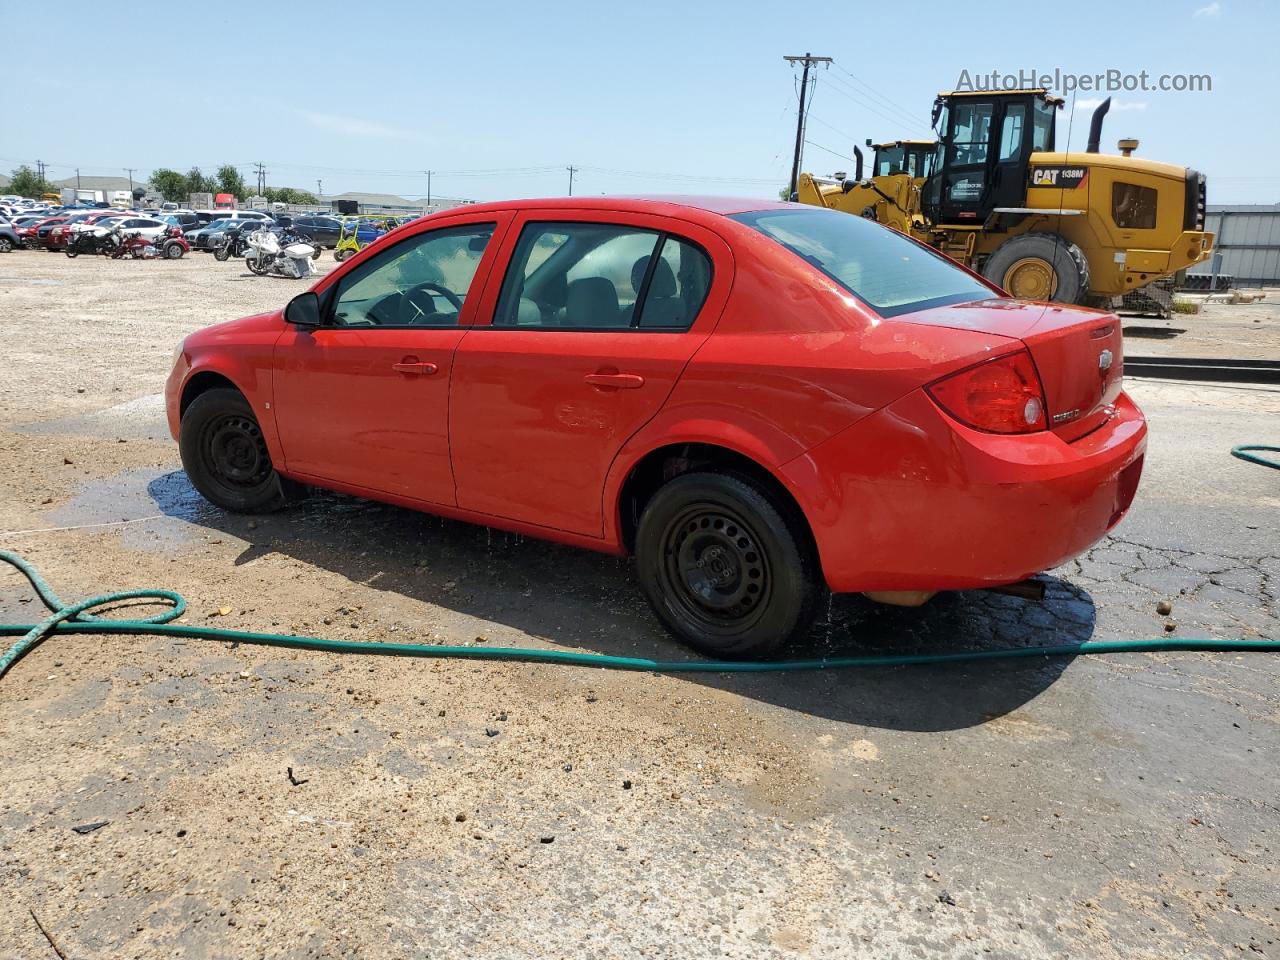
(896, 121)
(834, 153)
(842, 133)
(897, 107)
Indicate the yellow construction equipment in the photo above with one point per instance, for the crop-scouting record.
(995, 194)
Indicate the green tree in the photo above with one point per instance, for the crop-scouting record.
(171, 184)
(288, 195)
(197, 182)
(25, 182)
(230, 181)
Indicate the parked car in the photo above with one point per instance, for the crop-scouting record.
(208, 237)
(183, 219)
(8, 238)
(39, 237)
(209, 216)
(757, 400)
(61, 234)
(149, 227)
(320, 230)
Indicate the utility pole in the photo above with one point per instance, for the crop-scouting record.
(40, 169)
(129, 171)
(572, 170)
(808, 60)
(77, 179)
(428, 173)
(262, 178)
(319, 189)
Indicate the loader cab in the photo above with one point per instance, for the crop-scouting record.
(912, 157)
(985, 142)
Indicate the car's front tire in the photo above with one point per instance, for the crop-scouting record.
(726, 566)
(225, 454)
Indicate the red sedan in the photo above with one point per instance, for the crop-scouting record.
(757, 400)
(29, 233)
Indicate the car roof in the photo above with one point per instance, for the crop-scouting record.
(672, 205)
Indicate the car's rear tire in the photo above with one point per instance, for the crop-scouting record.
(173, 250)
(225, 454)
(726, 567)
(6, 245)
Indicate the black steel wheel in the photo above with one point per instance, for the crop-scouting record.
(226, 455)
(726, 567)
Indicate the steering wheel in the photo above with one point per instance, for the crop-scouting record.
(418, 302)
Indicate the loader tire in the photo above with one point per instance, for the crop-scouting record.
(1040, 266)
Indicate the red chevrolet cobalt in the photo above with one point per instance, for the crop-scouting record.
(758, 400)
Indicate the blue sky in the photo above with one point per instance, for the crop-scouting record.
(654, 97)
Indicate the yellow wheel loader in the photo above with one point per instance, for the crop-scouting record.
(1074, 227)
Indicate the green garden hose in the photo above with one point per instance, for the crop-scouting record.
(77, 618)
(1243, 452)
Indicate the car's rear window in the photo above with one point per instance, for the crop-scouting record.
(881, 267)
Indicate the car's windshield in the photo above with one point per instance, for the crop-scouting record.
(881, 267)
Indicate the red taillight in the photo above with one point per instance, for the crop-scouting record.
(1003, 395)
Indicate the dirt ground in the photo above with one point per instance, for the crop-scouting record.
(1120, 807)
(1219, 330)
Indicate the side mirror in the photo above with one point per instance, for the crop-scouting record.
(303, 310)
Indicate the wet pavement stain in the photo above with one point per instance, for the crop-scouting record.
(141, 418)
(177, 513)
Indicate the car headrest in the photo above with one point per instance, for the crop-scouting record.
(663, 283)
(593, 301)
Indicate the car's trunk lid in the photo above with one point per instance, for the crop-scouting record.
(1077, 351)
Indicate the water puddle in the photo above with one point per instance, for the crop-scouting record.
(154, 509)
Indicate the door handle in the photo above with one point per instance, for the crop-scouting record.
(615, 381)
(415, 367)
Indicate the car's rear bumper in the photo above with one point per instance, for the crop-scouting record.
(957, 508)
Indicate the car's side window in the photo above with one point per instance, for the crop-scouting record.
(595, 276)
(678, 286)
(420, 282)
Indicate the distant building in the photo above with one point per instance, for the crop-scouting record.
(105, 184)
(372, 199)
(1247, 241)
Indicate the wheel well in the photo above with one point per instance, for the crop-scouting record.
(666, 463)
(202, 383)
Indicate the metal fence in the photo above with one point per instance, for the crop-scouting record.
(1246, 245)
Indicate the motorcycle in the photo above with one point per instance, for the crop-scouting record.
(92, 244)
(133, 245)
(235, 241)
(269, 255)
(171, 245)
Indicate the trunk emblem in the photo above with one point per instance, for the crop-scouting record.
(1104, 360)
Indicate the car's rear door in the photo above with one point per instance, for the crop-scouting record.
(363, 399)
(578, 348)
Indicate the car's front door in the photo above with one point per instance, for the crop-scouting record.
(363, 399)
(593, 324)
